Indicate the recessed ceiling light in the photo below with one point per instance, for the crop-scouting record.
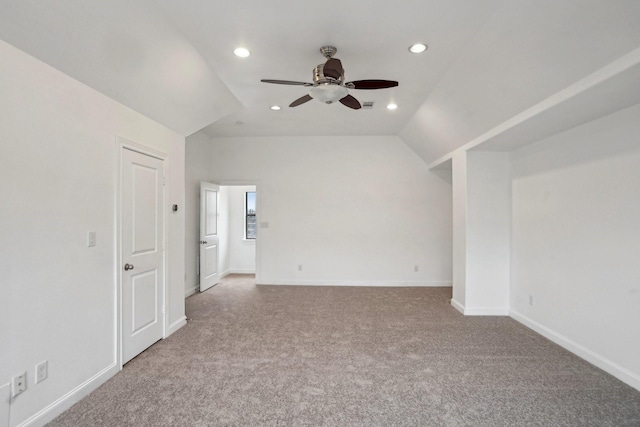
(417, 48)
(275, 107)
(242, 52)
(392, 107)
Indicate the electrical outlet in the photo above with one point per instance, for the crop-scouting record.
(18, 384)
(299, 267)
(530, 299)
(91, 238)
(42, 371)
(416, 268)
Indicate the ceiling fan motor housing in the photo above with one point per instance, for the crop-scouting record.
(320, 78)
(325, 88)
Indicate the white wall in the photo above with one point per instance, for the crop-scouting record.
(576, 241)
(481, 236)
(459, 232)
(349, 210)
(198, 169)
(58, 165)
(242, 257)
(488, 233)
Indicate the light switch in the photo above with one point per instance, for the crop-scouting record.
(264, 225)
(91, 238)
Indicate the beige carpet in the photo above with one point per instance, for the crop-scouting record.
(337, 356)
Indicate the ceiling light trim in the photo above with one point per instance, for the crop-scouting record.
(418, 48)
(241, 52)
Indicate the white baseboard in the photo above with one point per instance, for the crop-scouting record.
(191, 291)
(56, 408)
(486, 311)
(480, 311)
(457, 305)
(603, 363)
(176, 325)
(405, 284)
(242, 271)
(196, 288)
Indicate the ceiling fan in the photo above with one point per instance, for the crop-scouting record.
(328, 83)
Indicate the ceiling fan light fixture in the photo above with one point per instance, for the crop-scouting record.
(275, 107)
(418, 48)
(241, 52)
(328, 93)
(392, 106)
(329, 86)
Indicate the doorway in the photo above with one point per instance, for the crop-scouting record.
(237, 226)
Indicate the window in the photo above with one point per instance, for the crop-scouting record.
(250, 215)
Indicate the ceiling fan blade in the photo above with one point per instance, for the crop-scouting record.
(333, 68)
(372, 84)
(351, 102)
(301, 100)
(286, 82)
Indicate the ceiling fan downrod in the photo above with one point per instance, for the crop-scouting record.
(328, 51)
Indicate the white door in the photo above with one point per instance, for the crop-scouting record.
(209, 239)
(143, 277)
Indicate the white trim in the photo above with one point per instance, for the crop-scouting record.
(230, 271)
(457, 305)
(249, 271)
(191, 291)
(486, 311)
(606, 73)
(480, 311)
(65, 402)
(388, 284)
(177, 325)
(601, 362)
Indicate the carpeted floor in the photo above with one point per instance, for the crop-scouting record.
(340, 356)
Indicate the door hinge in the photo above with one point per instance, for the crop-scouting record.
(163, 310)
(164, 180)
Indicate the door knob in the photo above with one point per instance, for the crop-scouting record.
(128, 267)
(203, 242)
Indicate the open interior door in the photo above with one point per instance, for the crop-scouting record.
(209, 239)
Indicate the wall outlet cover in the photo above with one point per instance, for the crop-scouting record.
(18, 384)
(42, 371)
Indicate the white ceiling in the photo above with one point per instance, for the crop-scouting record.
(488, 60)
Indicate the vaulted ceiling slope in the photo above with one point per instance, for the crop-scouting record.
(525, 52)
(125, 49)
(487, 62)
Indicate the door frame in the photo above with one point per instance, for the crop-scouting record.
(256, 183)
(125, 144)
